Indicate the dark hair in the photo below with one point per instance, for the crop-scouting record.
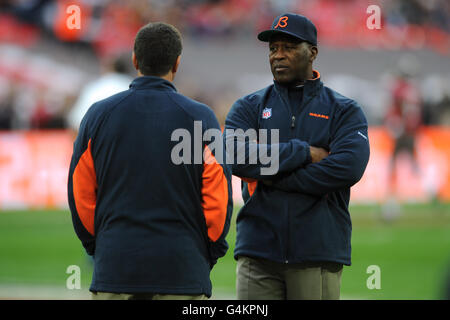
(157, 47)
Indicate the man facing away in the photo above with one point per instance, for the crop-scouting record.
(154, 226)
(294, 230)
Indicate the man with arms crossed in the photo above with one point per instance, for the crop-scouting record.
(294, 230)
(155, 228)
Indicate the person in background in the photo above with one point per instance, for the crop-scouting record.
(403, 121)
(7, 108)
(115, 79)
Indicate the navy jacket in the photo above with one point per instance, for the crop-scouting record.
(152, 225)
(302, 213)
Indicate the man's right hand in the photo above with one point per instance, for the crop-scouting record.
(317, 154)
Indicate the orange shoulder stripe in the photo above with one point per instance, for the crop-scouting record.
(85, 189)
(214, 195)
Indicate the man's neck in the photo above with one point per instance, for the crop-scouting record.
(301, 82)
(169, 77)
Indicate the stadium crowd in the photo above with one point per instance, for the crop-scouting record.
(109, 25)
(29, 100)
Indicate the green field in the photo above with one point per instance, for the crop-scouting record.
(413, 253)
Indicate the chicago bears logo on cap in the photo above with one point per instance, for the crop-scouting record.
(282, 22)
(267, 113)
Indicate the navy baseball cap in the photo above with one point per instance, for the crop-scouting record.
(292, 24)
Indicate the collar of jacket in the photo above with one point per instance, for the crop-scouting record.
(310, 87)
(152, 82)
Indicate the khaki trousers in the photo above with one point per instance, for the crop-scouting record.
(261, 279)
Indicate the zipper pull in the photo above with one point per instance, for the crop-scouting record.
(293, 122)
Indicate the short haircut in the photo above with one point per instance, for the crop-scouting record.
(157, 47)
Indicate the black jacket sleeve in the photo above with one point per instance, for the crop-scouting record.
(217, 197)
(82, 188)
(349, 155)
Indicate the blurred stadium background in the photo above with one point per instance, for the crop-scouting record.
(400, 74)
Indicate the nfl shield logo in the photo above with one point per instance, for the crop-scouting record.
(267, 113)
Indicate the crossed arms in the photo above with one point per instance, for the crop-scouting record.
(301, 167)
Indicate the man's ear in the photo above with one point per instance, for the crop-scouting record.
(314, 51)
(176, 65)
(134, 60)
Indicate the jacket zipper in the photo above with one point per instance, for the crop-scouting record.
(286, 249)
(301, 108)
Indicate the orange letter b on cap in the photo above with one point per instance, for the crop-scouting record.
(282, 22)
